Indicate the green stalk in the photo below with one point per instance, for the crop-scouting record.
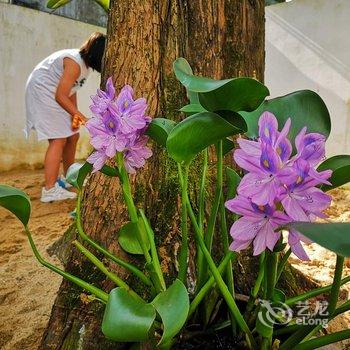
(225, 243)
(105, 252)
(324, 340)
(270, 277)
(313, 293)
(202, 275)
(219, 281)
(100, 294)
(282, 264)
(201, 212)
(131, 206)
(184, 229)
(98, 263)
(334, 295)
(218, 191)
(154, 253)
(209, 284)
(257, 285)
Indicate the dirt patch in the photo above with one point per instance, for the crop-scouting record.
(27, 290)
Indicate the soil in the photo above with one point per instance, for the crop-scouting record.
(27, 290)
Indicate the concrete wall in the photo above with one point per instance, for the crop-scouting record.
(26, 37)
(308, 47)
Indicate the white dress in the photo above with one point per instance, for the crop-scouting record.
(43, 113)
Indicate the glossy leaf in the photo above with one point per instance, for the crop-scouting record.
(127, 237)
(233, 180)
(16, 201)
(159, 129)
(104, 4)
(127, 319)
(305, 108)
(239, 94)
(333, 236)
(172, 305)
(340, 165)
(192, 109)
(197, 132)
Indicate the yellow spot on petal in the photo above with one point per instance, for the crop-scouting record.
(266, 132)
(279, 150)
(126, 104)
(111, 124)
(299, 179)
(266, 163)
(261, 207)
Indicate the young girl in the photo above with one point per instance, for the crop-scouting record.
(51, 108)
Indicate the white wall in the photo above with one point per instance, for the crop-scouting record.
(308, 47)
(26, 37)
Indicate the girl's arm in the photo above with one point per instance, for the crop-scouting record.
(71, 73)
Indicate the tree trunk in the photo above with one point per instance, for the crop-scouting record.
(220, 38)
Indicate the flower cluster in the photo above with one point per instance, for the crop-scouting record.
(118, 125)
(277, 188)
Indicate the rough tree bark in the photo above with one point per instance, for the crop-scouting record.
(220, 38)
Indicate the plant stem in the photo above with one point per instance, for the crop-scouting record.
(210, 282)
(100, 294)
(324, 340)
(218, 191)
(98, 263)
(131, 206)
(271, 271)
(201, 212)
(225, 243)
(154, 252)
(184, 229)
(257, 284)
(219, 281)
(213, 213)
(105, 252)
(313, 293)
(282, 263)
(334, 295)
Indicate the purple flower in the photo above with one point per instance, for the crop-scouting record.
(136, 155)
(274, 179)
(257, 225)
(119, 125)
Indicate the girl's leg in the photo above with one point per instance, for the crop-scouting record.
(52, 161)
(69, 149)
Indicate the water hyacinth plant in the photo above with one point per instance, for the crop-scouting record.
(280, 147)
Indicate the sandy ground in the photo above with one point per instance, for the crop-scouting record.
(28, 290)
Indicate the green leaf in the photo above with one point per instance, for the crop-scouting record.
(172, 305)
(197, 132)
(159, 129)
(127, 237)
(109, 171)
(16, 201)
(340, 165)
(233, 180)
(335, 236)
(55, 4)
(127, 319)
(305, 108)
(192, 109)
(240, 94)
